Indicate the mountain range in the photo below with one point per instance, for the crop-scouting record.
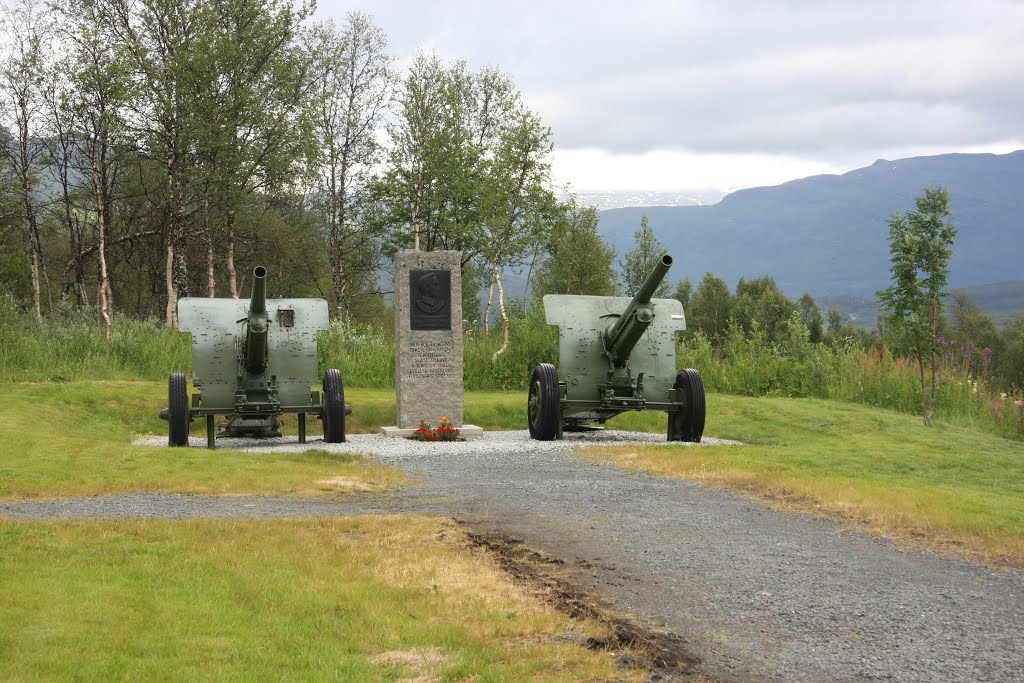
(828, 234)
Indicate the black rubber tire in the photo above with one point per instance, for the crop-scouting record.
(692, 426)
(177, 410)
(542, 409)
(333, 407)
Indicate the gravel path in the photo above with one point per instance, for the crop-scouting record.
(757, 594)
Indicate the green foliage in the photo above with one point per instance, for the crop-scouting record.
(684, 290)
(579, 261)
(363, 353)
(641, 260)
(711, 308)
(345, 106)
(966, 322)
(532, 341)
(748, 364)
(760, 304)
(920, 244)
(1010, 364)
(810, 316)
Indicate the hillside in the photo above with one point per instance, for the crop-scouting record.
(828, 234)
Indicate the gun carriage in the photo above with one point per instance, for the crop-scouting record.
(253, 361)
(616, 354)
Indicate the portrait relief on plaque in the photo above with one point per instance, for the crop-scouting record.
(430, 305)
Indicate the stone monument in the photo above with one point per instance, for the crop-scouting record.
(428, 340)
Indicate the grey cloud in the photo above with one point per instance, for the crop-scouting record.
(779, 77)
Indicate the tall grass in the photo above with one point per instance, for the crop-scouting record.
(531, 341)
(364, 354)
(70, 346)
(746, 364)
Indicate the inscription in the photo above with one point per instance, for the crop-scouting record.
(430, 300)
(429, 359)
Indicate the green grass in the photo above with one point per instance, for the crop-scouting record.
(951, 487)
(354, 599)
(72, 439)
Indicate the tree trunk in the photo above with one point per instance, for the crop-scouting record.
(529, 277)
(490, 298)
(338, 277)
(177, 264)
(924, 389)
(46, 275)
(171, 297)
(99, 182)
(33, 255)
(504, 315)
(232, 274)
(211, 282)
(931, 355)
(34, 246)
(172, 236)
(106, 311)
(336, 226)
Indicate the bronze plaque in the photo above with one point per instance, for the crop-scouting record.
(430, 304)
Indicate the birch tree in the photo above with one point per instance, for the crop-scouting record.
(249, 80)
(354, 83)
(21, 79)
(159, 38)
(520, 205)
(100, 93)
(920, 245)
(429, 197)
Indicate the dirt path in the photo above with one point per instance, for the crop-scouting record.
(749, 593)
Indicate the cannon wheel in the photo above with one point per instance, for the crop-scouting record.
(333, 407)
(542, 409)
(688, 425)
(177, 410)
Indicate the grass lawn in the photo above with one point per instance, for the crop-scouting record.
(948, 487)
(366, 598)
(75, 439)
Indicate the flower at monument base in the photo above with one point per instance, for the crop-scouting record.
(444, 432)
(424, 433)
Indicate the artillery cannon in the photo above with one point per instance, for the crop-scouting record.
(615, 354)
(252, 362)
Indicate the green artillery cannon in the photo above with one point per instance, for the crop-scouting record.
(616, 354)
(252, 362)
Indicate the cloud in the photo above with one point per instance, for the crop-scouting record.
(594, 169)
(801, 85)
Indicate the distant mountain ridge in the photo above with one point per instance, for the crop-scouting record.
(828, 234)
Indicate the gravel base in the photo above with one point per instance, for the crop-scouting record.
(385, 447)
(758, 594)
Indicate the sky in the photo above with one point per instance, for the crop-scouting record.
(719, 95)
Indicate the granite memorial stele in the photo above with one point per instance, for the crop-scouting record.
(428, 341)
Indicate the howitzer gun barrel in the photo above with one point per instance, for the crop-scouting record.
(256, 324)
(623, 335)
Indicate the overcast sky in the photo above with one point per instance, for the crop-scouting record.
(685, 96)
